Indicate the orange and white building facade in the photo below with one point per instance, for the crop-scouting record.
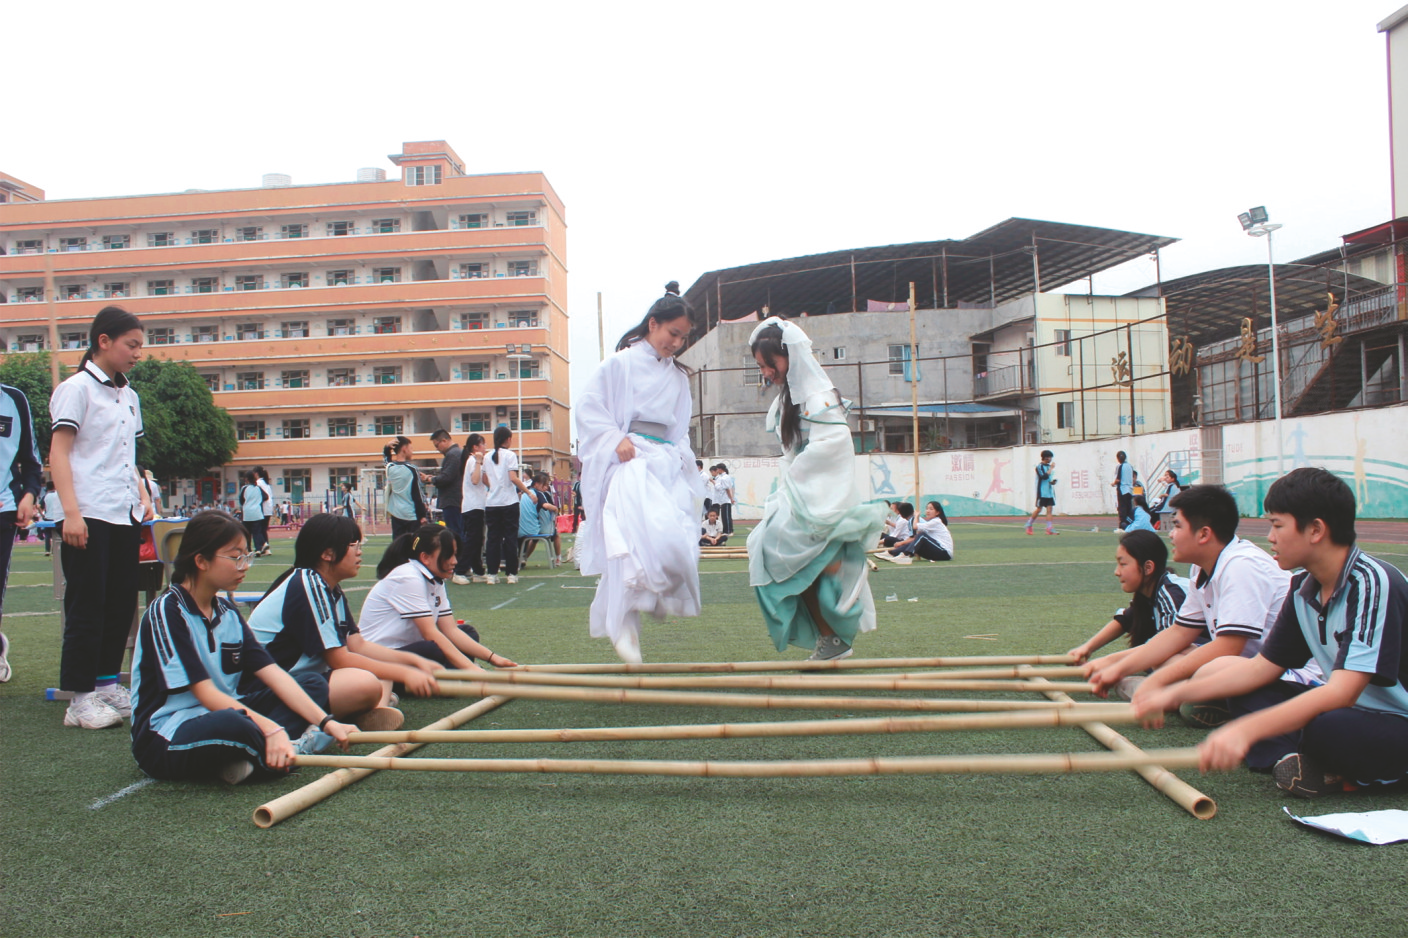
(325, 318)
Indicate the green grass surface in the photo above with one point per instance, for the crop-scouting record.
(402, 854)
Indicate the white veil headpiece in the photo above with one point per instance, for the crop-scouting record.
(805, 376)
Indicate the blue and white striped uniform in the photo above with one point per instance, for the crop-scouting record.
(301, 619)
(19, 455)
(1044, 483)
(1360, 629)
(1167, 599)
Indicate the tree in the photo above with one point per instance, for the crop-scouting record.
(29, 371)
(185, 433)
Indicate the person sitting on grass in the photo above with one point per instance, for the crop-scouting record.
(409, 610)
(711, 534)
(931, 540)
(306, 624)
(901, 528)
(190, 717)
(1139, 517)
(1345, 611)
(1155, 595)
(1236, 591)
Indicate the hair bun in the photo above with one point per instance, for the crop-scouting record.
(673, 287)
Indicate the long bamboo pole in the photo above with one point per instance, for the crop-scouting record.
(1031, 719)
(1021, 764)
(754, 682)
(1165, 782)
(514, 676)
(681, 698)
(845, 664)
(286, 806)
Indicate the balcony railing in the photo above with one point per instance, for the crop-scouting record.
(1006, 379)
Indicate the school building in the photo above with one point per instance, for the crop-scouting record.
(325, 318)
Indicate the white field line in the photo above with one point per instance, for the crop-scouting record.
(106, 800)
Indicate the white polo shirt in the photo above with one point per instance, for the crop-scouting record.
(472, 497)
(107, 419)
(407, 593)
(502, 491)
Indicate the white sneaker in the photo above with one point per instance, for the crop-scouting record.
(117, 697)
(491, 580)
(512, 578)
(479, 578)
(4, 658)
(91, 714)
(237, 771)
(628, 647)
(459, 579)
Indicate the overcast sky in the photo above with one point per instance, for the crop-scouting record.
(689, 137)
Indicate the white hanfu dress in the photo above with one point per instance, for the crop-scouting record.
(641, 531)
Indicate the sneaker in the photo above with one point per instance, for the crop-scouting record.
(4, 658)
(1126, 686)
(830, 648)
(91, 714)
(236, 771)
(491, 580)
(897, 558)
(117, 697)
(459, 579)
(312, 742)
(512, 579)
(1029, 529)
(1119, 530)
(1054, 533)
(1300, 776)
(1208, 715)
(381, 720)
(392, 700)
(479, 578)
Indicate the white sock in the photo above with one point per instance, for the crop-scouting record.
(80, 696)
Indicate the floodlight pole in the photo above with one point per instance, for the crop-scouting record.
(1257, 231)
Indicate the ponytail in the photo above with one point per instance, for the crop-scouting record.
(427, 539)
(502, 435)
(1142, 547)
(770, 346)
(111, 321)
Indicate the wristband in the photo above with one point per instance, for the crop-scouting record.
(277, 729)
(324, 722)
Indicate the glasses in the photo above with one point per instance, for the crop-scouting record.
(241, 561)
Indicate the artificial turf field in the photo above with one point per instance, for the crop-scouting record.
(403, 854)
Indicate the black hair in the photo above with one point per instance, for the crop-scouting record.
(471, 441)
(111, 321)
(673, 287)
(260, 473)
(392, 448)
(905, 510)
(1047, 454)
(541, 478)
(440, 434)
(723, 467)
(942, 515)
(323, 531)
(770, 346)
(346, 486)
(699, 464)
(250, 477)
(432, 539)
(205, 534)
(1309, 493)
(1139, 502)
(502, 435)
(1120, 456)
(1208, 506)
(1176, 480)
(1142, 547)
(666, 309)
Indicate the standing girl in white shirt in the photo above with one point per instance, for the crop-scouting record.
(640, 489)
(501, 506)
(93, 458)
(474, 490)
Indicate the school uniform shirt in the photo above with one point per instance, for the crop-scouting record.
(1045, 485)
(529, 524)
(902, 529)
(723, 485)
(177, 648)
(1168, 598)
(301, 619)
(711, 528)
(707, 478)
(107, 418)
(1124, 475)
(473, 496)
(266, 504)
(403, 492)
(407, 593)
(502, 491)
(1140, 521)
(53, 506)
(19, 454)
(251, 503)
(1359, 629)
(935, 530)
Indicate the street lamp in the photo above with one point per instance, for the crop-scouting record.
(518, 353)
(1254, 222)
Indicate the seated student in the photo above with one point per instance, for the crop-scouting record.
(190, 720)
(931, 540)
(902, 529)
(1156, 593)
(711, 534)
(409, 610)
(305, 623)
(1171, 488)
(1235, 593)
(1345, 611)
(537, 517)
(1140, 519)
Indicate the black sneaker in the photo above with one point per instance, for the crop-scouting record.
(830, 648)
(1301, 776)
(1208, 715)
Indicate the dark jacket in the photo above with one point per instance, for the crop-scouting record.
(450, 478)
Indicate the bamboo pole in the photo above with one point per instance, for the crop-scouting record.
(514, 676)
(680, 698)
(286, 806)
(754, 682)
(1031, 719)
(1035, 764)
(1165, 782)
(845, 664)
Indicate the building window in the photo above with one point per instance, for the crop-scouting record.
(341, 377)
(295, 330)
(205, 334)
(33, 342)
(475, 371)
(29, 294)
(531, 420)
(161, 239)
(293, 231)
(1065, 415)
(527, 367)
(73, 244)
(474, 320)
(386, 275)
(117, 289)
(340, 278)
(1063, 342)
(423, 175)
(212, 380)
(337, 229)
(342, 426)
(523, 318)
(295, 379)
(296, 429)
(477, 422)
(29, 246)
(386, 225)
(161, 287)
(337, 475)
(249, 381)
(117, 242)
(73, 340)
(474, 221)
(73, 291)
(249, 233)
(161, 335)
(752, 376)
(386, 325)
(386, 374)
(205, 285)
(388, 425)
(297, 483)
(523, 268)
(249, 331)
(206, 236)
(298, 278)
(519, 219)
(249, 430)
(838, 354)
(341, 326)
(899, 360)
(249, 282)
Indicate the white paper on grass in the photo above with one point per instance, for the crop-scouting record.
(1370, 827)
